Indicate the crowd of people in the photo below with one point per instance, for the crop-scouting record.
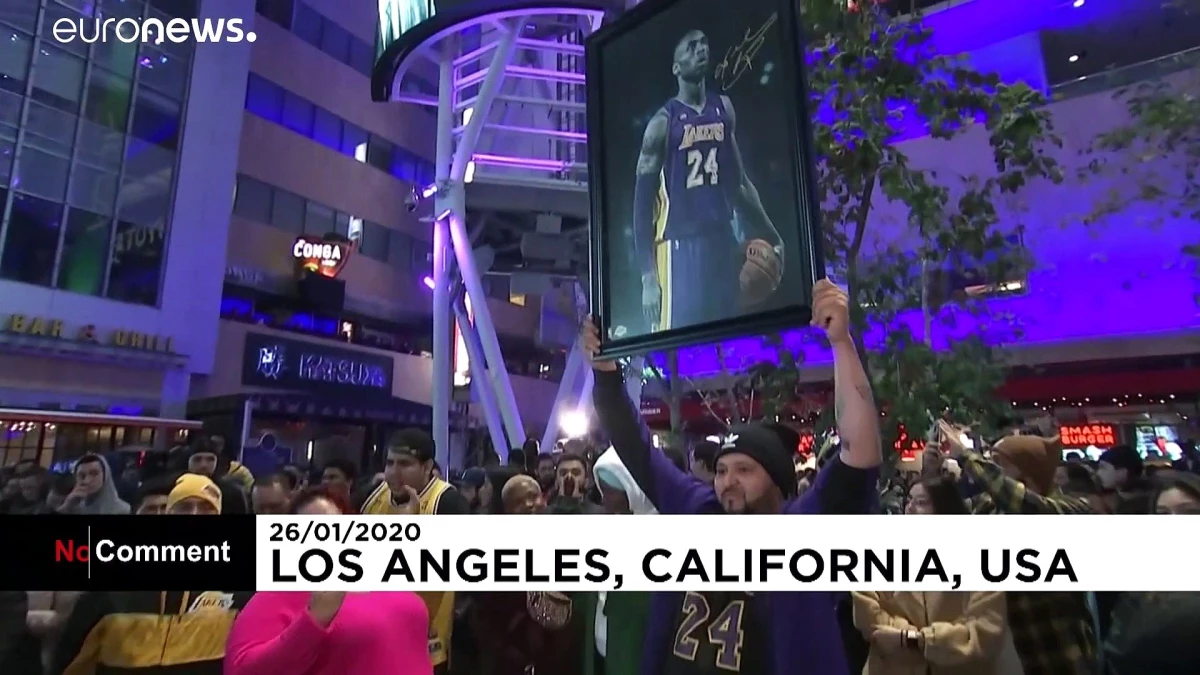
(212, 631)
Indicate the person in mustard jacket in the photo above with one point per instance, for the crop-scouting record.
(936, 633)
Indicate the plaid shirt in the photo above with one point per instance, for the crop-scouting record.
(1052, 631)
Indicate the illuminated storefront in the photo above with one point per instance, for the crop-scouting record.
(69, 388)
(303, 400)
(55, 439)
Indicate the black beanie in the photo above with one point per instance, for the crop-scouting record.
(1124, 457)
(764, 446)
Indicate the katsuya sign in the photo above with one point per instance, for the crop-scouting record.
(37, 326)
(325, 256)
(270, 361)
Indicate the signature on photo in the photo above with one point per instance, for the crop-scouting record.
(740, 58)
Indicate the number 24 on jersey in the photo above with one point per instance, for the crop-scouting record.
(703, 168)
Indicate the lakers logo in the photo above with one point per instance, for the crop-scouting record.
(702, 133)
(212, 600)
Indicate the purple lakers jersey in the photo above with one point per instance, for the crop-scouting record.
(698, 152)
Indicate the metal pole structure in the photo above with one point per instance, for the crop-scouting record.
(572, 373)
(443, 347)
(247, 413)
(497, 375)
(585, 390)
(483, 390)
(483, 101)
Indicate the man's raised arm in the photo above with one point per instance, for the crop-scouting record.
(668, 488)
(846, 485)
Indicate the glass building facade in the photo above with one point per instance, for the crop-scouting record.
(89, 142)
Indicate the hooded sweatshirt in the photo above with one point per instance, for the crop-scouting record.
(105, 502)
(620, 623)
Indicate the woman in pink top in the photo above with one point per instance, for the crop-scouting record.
(329, 633)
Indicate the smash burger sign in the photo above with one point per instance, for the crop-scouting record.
(325, 256)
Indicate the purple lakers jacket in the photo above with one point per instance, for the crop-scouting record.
(803, 630)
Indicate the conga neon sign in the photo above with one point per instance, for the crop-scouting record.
(321, 256)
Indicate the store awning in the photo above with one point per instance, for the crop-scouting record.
(94, 419)
(338, 407)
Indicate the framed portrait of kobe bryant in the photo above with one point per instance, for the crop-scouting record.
(704, 224)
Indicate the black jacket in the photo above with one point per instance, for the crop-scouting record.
(19, 652)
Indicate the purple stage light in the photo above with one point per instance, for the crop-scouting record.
(546, 74)
(568, 135)
(519, 162)
(428, 281)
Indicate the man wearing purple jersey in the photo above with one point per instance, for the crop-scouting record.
(689, 181)
(736, 632)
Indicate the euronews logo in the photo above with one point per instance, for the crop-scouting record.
(153, 31)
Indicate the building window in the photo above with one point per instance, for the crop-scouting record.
(163, 72)
(182, 9)
(374, 242)
(145, 197)
(297, 114)
(379, 153)
(318, 219)
(335, 41)
(264, 98)
(362, 56)
(85, 251)
(156, 119)
(517, 299)
(31, 240)
(307, 23)
(93, 189)
(252, 200)
(135, 266)
(20, 14)
(41, 173)
(56, 12)
(106, 99)
(422, 256)
(50, 129)
(14, 59)
(8, 148)
(354, 142)
(405, 166)
(277, 11)
(100, 147)
(287, 211)
(327, 129)
(341, 224)
(57, 78)
(115, 55)
(400, 250)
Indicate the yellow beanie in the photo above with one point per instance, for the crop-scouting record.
(191, 485)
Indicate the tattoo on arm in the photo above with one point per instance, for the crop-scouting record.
(650, 159)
